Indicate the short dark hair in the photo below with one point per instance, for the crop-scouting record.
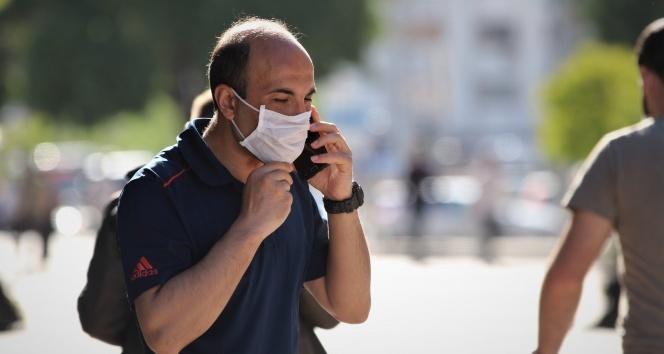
(650, 47)
(228, 60)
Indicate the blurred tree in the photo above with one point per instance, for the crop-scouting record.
(84, 60)
(161, 117)
(595, 91)
(76, 63)
(621, 21)
(183, 34)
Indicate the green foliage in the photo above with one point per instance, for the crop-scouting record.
(594, 92)
(152, 128)
(27, 132)
(85, 71)
(621, 21)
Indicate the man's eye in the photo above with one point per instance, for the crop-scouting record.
(308, 99)
(281, 100)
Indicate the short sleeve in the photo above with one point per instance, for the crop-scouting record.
(317, 264)
(594, 187)
(153, 243)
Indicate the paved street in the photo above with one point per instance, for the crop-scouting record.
(442, 304)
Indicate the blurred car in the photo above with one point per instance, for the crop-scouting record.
(524, 203)
(63, 186)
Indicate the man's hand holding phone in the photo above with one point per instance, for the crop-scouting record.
(335, 181)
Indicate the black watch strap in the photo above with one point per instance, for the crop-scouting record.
(346, 206)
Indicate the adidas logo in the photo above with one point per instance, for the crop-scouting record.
(143, 269)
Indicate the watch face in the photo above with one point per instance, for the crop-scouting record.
(360, 194)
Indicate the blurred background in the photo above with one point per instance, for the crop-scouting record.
(467, 119)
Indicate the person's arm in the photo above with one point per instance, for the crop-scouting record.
(313, 314)
(345, 289)
(561, 291)
(177, 312)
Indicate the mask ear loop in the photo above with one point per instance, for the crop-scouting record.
(248, 105)
(238, 129)
(243, 101)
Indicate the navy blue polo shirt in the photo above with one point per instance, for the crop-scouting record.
(179, 205)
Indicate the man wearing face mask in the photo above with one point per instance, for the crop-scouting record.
(620, 187)
(218, 233)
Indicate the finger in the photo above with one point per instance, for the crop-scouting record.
(284, 185)
(324, 127)
(274, 166)
(314, 114)
(333, 158)
(289, 200)
(331, 139)
(279, 176)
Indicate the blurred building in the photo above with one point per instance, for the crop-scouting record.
(457, 76)
(457, 82)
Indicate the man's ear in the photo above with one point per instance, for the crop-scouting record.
(226, 102)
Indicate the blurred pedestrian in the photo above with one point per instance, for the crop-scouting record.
(202, 106)
(619, 187)
(485, 209)
(312, 315)
(102, 305)
(612, 286)
(9, 313)
(418, 172)
(36, 201)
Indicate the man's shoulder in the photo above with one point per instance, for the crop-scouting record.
(152, 179)
(166, 164)
(631, 134)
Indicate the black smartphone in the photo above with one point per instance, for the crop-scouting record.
(303, 164)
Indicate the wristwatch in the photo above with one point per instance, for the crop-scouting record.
(348, 205)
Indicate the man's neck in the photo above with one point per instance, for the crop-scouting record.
(220, 139)
(656, 107)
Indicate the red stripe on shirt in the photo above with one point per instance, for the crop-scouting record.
(173, 178)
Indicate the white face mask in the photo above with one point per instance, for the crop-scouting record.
(278, 137)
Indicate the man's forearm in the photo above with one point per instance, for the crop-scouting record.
(558, 303)
(349, 271)
(189, 303)
(582, 243)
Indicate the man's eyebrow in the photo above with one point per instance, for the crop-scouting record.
(290, 92)
(283, 90)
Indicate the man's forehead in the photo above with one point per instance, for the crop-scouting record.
(278, 62)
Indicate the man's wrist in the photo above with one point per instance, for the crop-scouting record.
(345, 194)
(247, 231)
(350, 204)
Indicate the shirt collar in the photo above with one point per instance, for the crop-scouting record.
(199, 156)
